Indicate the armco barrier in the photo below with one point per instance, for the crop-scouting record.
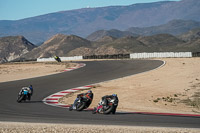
(62, 59)
(128, 56)
(196, 54)
(161, 55)
(114, 56)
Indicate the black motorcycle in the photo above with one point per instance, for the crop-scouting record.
(81, 104)
(57, 59)
(106, 109)
(23, 96)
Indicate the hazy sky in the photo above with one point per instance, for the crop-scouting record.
(18, 9)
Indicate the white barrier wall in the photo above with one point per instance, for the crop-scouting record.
(71, 58)
(132, 56)
(161, 55)
(62, 59)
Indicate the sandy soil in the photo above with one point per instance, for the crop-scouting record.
(17, 71)
(162, 90)
(13, 127)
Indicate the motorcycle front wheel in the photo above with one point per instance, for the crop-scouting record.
(71, 108)
(20, 98)
(80, 106)
(108, 111)
(94, 110)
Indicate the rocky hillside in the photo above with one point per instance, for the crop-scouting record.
(174, 27)
(160, 42)
(12, 47)
(130, 44)
(192, 39)
(70, 45)
(83, 22)
(113, 33)
(191, 35)
(59, 45)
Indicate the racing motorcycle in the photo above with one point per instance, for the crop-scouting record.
(57, 59)
(103, 109)
(23, 96)
(81, 104)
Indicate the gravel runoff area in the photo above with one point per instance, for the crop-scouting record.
(24, 70)
(16, 127)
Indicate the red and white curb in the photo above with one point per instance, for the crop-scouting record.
(76, 67)
(53, 99)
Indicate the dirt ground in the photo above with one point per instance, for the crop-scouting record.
(173, 88)
(13, 127)
(17, 71)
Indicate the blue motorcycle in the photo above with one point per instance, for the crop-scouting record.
(23, 96)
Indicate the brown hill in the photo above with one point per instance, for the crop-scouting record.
(64, 45)
(193, 46)
(12, 47)
(102, 50)
(162, 43)
(106, 39)
(130, 44)
(191, 35)
(160, 40)
(113, 33)
(59, 45)
(127, 44)
(102, 41)
(173, 27)
(192, 39)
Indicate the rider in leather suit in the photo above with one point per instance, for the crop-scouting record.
(113, 96)
(88, 96)
(30, 91)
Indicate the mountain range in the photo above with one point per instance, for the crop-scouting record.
(71, 45)
(13, 47)
(173, 27)
(82, 22)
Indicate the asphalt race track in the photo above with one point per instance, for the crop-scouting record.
(93, 72)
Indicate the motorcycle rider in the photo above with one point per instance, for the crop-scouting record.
(105, 101)
(88, 96)
(29, 89)
(57, 58)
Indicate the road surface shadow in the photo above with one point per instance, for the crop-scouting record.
(158, 114)
(31, 102)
